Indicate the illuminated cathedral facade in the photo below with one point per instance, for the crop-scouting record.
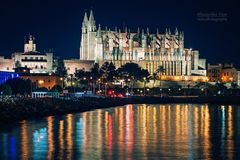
(142, 47)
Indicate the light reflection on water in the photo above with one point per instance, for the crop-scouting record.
(128, 132)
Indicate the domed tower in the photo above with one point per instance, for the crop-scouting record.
(30, 46)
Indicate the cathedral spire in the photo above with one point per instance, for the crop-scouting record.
(91, 17)
(91, 22)
(138, 31)
(99, 31)
(157, 31)
(147, 30)
(119, 33)
(85, 23)
(85, 20)
(176, 31)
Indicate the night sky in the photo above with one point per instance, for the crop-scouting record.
(56, 24)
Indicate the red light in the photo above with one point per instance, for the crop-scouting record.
(110, 92)
(120, 95)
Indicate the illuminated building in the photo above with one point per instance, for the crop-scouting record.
(214, 72)
(222, 73)
(229, 73)
(141, 47)
(31, 58)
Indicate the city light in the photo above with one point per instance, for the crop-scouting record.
(40, 81)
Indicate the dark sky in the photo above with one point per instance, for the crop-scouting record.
(56, 24)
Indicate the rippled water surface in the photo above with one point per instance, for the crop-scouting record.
(128, 132)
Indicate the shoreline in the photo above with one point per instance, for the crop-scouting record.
(23, 109)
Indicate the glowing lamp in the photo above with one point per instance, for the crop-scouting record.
(40, 82)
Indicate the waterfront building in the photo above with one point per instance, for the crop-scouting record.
(229, 73)
(142, 47)
(222, 73)
(38, 62)
(214, 72)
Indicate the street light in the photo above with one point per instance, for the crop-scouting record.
(99, 83)
(185, 86)
(61, 79)
(144, 79)
(160, 92)
(73, 84)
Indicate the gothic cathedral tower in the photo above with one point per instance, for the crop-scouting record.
(88, 39)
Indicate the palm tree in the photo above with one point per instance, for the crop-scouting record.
(95, 74)
(154, 76)
(145, 77)
(60, 68)
(108, 73)
(160, 71)
(17, 64)
(221, 87)
(80, 75)
(132, 73)
(233, 87)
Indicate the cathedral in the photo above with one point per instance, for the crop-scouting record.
(142, 47)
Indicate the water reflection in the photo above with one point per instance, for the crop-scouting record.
(128, 132)
(24, 140)
(50, 138)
